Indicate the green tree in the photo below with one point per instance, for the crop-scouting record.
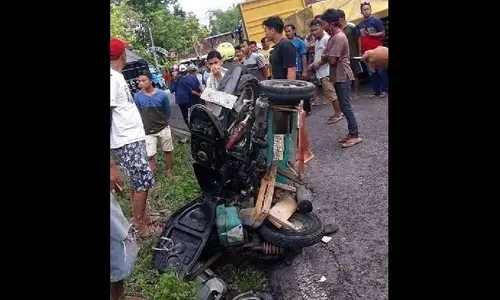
(171, 27)
(222, 21)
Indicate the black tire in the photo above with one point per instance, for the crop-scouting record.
(287, 91)
(312, 232)
(248, 80)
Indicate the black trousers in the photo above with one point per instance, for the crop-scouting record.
(307, 102)
(184, 111)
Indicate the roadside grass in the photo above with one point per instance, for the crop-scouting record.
(242, 276)
(167, 197)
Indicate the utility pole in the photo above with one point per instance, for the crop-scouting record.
(153, 48)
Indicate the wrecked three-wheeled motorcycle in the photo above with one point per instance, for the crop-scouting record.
(247, 143)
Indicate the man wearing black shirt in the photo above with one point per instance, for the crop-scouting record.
(283, 61)
(283, 57)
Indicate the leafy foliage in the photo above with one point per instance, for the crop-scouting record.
(171, 28)
(222, 21)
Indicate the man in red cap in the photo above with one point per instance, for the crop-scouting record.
(128, 139)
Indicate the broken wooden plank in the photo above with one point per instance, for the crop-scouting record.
(283, 209)
(290, 176)
(260, 199)
(285, 187)
(285, 224)
(260, 216)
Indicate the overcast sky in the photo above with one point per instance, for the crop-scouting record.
(200, 7)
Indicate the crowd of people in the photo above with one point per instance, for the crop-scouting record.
(330, 56)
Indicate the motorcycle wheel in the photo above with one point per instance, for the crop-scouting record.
(287, 92)
(311, 231)
(248, 87)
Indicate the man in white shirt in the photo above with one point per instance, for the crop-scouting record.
(217, 72)
(323, 69)
(127, 137)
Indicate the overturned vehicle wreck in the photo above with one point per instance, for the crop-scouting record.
(247, 143)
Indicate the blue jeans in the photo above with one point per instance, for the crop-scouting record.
(379, 80)
(343, 90)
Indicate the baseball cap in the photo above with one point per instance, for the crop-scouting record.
(192, 68)
(116, 47)
(182, 68)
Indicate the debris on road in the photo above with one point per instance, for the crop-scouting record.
(323, 279)
(326, 239)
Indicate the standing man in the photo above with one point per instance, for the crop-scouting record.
(323, 70)
(354, 38)
(185, 86)
(337, 56)
(254, 63)
(266, 52)
(127, 137)
(253, 46)
(372, 34)
(283, 57)
(154, 107)
(239, 57)
(301, 59)
(310, 40)
(283, 60)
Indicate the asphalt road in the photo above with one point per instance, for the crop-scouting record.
(350, 187)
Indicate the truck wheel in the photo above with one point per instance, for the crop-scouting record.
(287, 92)
(310, 232)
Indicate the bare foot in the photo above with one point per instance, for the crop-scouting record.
(171, 176)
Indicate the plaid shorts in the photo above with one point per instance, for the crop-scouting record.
(133, 159)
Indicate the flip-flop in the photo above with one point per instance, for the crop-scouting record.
(351, 142)
(334, 120)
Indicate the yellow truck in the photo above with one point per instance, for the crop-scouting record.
(254, 12)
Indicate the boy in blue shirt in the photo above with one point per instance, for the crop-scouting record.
(154, 106)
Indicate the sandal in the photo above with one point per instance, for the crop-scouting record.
(344, 139)
(351, 142)
(374, 95)
(333, 120)
(383, 95)
(314, 104)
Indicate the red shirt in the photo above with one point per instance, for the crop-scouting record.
(369, 43)
(373, 25)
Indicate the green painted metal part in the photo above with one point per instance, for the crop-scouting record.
(229, 226)
(287, 140)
